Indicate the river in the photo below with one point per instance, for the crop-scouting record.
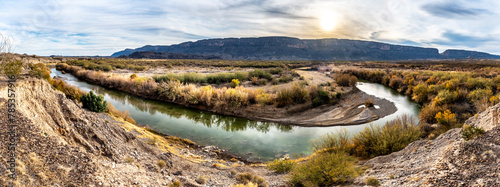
(259, 141)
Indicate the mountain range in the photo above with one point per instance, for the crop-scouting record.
(287, 48)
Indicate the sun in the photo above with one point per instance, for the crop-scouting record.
(328, 21)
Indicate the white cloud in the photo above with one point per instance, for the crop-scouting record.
(102, 27)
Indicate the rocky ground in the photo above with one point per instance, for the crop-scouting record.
(448, 160)
(60, 144)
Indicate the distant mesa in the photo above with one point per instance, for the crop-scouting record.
(287, 48)
(165, 55)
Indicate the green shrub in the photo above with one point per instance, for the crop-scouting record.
(323, 97)
(277, 70)
(470, 132)
(262, 82)
(161, 163)
(282, 165)
(393, 136)
(12, 68)
(372, 181)
(325, 169)
(260, 74)
(94, 102)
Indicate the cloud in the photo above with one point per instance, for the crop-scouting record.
(457, 39)
(452, 10)
(101, 27)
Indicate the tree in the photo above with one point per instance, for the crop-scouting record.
(94, 102)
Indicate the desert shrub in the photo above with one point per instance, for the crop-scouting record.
(295, 95)
(428, 113)
(478, 94)
(133, 76)
(343, 80)
(255, 80)
(161, 164)
(446, 118)
(372, 181)
(395, 82)
(71, 92)
(445, 97)
(285, 79)
(202, 179)
(393, 136)
(176, 183)
(323, 97)
(245, 178)
(39, 70)
(235, 83)
(470, 132)
(264, 99)
(282, 165)
(277, 70)
(325, 169)
(420, 93)
(262, 82)
(250, 184)
(260, 74)
(274, 82)
(94, 102)
(12, 68)
(295, 74)
(333, 142)
(494, 100)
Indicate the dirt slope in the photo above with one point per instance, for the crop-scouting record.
(61, 144)
(448, 160)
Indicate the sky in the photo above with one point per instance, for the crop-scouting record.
(91, 27)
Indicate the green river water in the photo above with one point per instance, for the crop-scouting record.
(258, 141)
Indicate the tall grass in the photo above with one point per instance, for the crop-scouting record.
(373, 140)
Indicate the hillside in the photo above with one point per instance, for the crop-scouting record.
(60, 144)
(287, 48)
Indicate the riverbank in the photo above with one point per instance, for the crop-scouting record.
(348, 110)
(61, 143)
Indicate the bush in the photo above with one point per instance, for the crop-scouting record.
(323, 97)
(393, 136)
(202, 179)
(470, 132)
(277, 70)
(12, 68)
(133, 76)
(162, 164)
(285, 79)
(262, 82)
(446, 118)
(372, 181)
(295, 95)
(254, 80)
(39, 70)
(260, 74)
(246, 178)
(325, 169)
(282, 165)
(94, 102)
(176, 183)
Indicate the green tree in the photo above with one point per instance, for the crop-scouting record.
(94, 102)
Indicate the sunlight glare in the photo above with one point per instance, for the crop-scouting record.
(328, 21)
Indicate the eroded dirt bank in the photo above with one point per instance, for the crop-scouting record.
(61, 144)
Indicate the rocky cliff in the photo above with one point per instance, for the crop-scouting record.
(286, 48)
(448, 160)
